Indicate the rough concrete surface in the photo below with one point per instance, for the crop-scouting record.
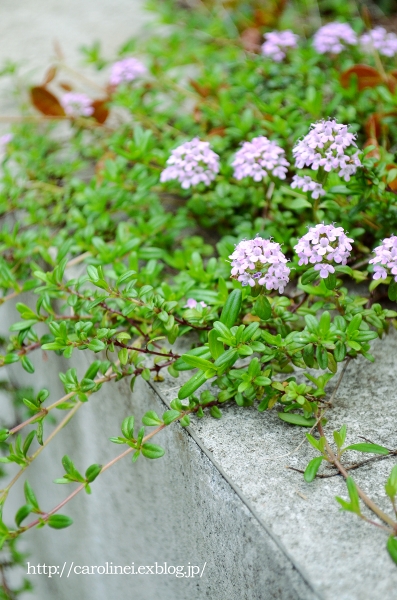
(344, 557)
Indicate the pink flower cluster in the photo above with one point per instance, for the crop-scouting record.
(4, 141)
(77, 105)
(325, 146)
(385, 259)
(322, 245)
(334, 38)
(260, 261)
(192, 303)
(126, 70)
(192, 163)
(306, 184)
(258, 159)
(385, 43)
(277, 44)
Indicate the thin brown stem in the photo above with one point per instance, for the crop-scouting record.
(367, 501)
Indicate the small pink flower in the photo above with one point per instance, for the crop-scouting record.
(126, 70)
(277, 43)
(192, 163)
(4, 141)
(192, 303)
(385, 259)
(77, 105)
(322, 245)
(325, 146)
(379, 39)
(306, 184)
(333, 38)
(260, 158)
(260, 261)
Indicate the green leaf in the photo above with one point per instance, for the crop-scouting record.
(332, 366)
(117, 440)
(25, 311)
(152, 451)
(28, 440)
(227, 359)
(392, 548)
(330, 282)
(192, 385)
(197, 362)
(27, 364)
(223, 330)
(22, 513)
(295, 419)
(96, 345)
(92, 472)
(391, 485)
(11, 358)
(354, 497)
(170, 415)
(67, 464)
(322, 357)
(312, 468)
(232, 308)
(123, 356)
(312, 440)
(4, 433)
(151, 419)
(339, 351)
(308, 355)
(325, 323)
(202, 351)
(309, 276)
(215, 412)
(392, 291)
(354, 324)
(263, 308)
(30, 496)
(39, 432)
(127, 427)
(22, 325)
(372, 448)
(216, 347)
(59, 521)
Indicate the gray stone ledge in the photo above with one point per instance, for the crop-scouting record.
(221, 495)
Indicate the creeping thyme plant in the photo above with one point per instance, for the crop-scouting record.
(233, 183)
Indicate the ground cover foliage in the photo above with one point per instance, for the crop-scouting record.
(222, 185)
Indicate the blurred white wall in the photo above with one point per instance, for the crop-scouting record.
(28, 29)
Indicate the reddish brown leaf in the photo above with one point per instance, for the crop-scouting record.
(251, 39)
(392, 184)
(65, 86)
(221, 131)
(391, 81)
(101, 112)
(49, 76)
(202, 90)
(197, 114)
(46, 102)
(270, 14)
(366, 76)
(373, 126)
